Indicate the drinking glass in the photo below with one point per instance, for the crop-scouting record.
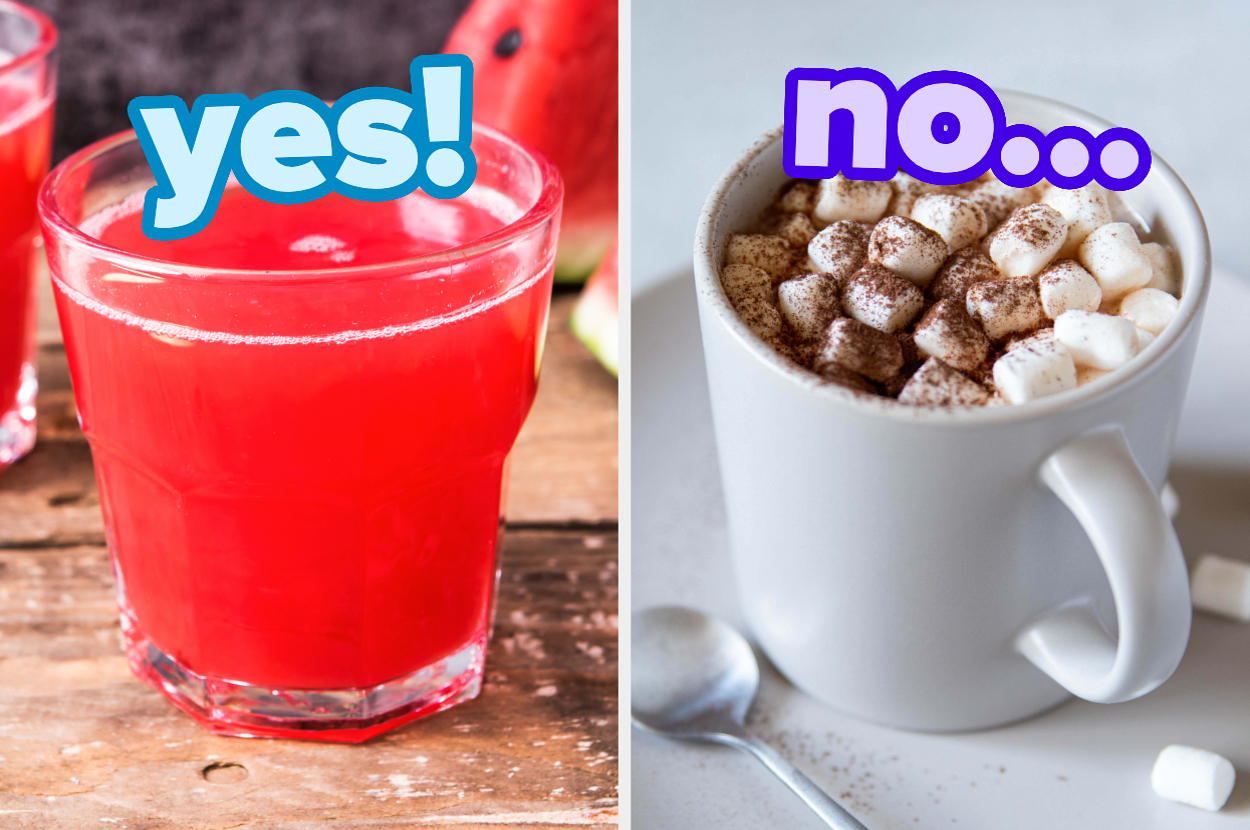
(301, 450)
(27, 90)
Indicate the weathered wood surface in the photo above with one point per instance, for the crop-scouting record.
(84, 744)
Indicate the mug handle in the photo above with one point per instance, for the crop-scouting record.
(1099, 480)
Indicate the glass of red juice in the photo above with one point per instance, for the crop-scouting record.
(27, 90)
(301, 419)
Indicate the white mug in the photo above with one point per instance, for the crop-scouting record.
(946, 569)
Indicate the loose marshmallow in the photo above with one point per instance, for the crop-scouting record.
(961, 271)
(840, 249)
(1222, 586)
(1114, 255)
(1085, 209)
(772, 253)
(1004, 307)
(1066, 285)
(1097, 340)
(1142, 339)
(842, 198)
(906, 191)
(799, 198)
(752, 294)
(1150, 308)
(1034, 371)
(959, 221)
(880, 298)
(861, 349)
(797, 229)
(1193, 776)
(936, 384)
(1163, 274)
(808, 303)
(907, 248)
(1028, 240)
(947, 332)
(998, 200)
(1088, 374)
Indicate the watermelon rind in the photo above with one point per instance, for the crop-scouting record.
(596, 324)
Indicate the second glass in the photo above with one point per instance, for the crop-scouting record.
(301, 419)
(27, 89)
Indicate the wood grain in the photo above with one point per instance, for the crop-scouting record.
(83, 742)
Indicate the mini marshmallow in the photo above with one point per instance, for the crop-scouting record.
(880, 298)
(998, 200)
(907, 248)
(1150, 308)
(797, 229)
(772, 253)
(840, 249)
(1114, 255)
(1222, 586)
(861, 349)
(1163, 274)
(906, 191)
(1044, 336)
(842, 198)
(1028, 240)
(1085, 209)
(1066, 285)
(752, 294)
(936, 384)
(947, 332)
(1097, 340)
(959, 221)
(1004, 307)
(961, 271)
(798, 198)
(1088, 374)
(808, 303)
(1034, 371)
(1192, 776)
(1142, 339)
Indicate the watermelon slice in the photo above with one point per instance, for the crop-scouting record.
(595, 319)
(545, 71)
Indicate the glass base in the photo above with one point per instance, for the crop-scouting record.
(17, 426)
(228, 707)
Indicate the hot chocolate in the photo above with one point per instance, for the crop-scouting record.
(966, 295)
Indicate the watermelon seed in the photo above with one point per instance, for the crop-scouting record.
(508, 44)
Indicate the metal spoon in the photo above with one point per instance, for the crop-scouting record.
(694, 677)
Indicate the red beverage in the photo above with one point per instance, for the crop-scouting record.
(301, 464)
(27, 79)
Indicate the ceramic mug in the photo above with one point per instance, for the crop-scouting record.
(946, 569)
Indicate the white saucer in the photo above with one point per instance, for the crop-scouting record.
(1082, 765)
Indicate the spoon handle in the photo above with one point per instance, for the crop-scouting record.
(831, 811)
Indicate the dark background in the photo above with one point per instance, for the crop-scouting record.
(113, 50)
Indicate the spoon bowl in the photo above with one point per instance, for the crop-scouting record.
(694, 677)
(690, 671)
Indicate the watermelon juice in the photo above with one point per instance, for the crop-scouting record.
(300, 420)
(27, 81)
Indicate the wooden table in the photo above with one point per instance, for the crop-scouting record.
(84, 744)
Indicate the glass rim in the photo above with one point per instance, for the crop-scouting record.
(48, 36)
(545, 206)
